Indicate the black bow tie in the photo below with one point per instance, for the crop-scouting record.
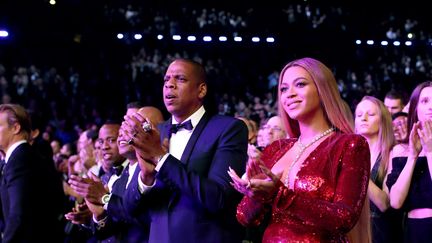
(117, 170)
(185, 125)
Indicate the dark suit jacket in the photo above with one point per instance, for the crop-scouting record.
(31, 197)
(120, 226)
(193, 200)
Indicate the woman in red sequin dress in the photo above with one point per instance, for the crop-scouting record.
(314, 184)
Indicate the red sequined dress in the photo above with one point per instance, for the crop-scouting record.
(329, 191)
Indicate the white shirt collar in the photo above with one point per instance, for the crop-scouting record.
(125, 163)
(132, 168)
(12, 148)
(195, 117)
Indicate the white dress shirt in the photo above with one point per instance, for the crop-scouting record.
(12, 148)
(177, 144)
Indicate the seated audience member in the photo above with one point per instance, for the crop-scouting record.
(394, 102)
(85, 147)
(55, 146)
(272, 131)
(255, 131)
(251, 133)
(400, 124)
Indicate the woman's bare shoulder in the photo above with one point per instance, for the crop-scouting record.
(400, 150)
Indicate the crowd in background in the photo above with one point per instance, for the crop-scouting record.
(236, 91)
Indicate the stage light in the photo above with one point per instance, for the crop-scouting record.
(176, 37)
(120, 36)
(138, 36)
(396, 43)
(223, 38)
(410, 35)
(159, 37)
(384, 43)
(238, 39)
(191, 38)
(408, 43)
(207, 38)
(255, 39)
(270, 39)
(358, 42)
(370, 42)
(4, 33)
(52, 2)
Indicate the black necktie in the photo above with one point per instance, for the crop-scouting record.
(185, 125)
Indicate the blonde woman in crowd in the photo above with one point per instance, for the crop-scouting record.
(373, 122)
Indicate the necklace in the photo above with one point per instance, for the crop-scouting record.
(303, 147)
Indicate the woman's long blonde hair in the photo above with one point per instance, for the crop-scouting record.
(336, 110)
(386, 138)
(338, 115)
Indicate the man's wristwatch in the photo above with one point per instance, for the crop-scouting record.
(105, 198)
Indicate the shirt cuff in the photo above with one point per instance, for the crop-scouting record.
(100, 223)
(161, 162)
(143, 188)
(105, 206)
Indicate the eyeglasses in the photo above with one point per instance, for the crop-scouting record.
(109, 140)
(275, 128)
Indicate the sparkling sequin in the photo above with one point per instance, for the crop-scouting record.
(328, 196)
(309, 183)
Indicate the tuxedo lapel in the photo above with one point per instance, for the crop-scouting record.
(2, 164)
(119, 185)
(193, 139)
(165, 129)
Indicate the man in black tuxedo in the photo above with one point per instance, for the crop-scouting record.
(30, 189)
(183, 185)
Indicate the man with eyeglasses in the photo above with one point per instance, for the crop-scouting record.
(274, 130)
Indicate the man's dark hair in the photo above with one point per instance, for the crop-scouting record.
(394, 95)
(199, 68)
(92, 134)
(112, 122)
(134, 104)
(36, 121)
(398, 114)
